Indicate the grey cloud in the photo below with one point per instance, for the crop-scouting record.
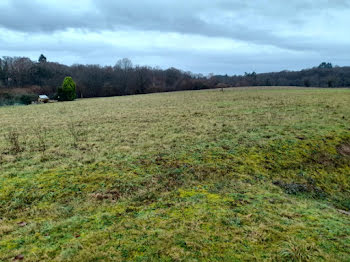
(187, 17)
(262, 23)
(188, 60)
(35, 16)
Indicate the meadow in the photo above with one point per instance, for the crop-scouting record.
(248, 174)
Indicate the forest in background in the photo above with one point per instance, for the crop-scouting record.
(22, 79)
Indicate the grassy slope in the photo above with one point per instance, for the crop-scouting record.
(247, 174)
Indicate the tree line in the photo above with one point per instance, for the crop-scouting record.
(21, 75)
(94, 80)
(324, 75)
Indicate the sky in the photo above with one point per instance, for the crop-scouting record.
(202, 36)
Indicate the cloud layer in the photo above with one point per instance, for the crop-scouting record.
(223, 36)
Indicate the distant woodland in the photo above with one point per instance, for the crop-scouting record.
(21, 79)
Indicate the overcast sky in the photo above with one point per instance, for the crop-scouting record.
(202, 36)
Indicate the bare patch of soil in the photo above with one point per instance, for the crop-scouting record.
(344, 149)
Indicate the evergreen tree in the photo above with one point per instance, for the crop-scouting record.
(42, 59)
(67, 92)
(325, 65)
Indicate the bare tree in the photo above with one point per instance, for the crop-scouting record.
(124, 68)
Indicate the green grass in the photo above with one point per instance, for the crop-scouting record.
(250, 174)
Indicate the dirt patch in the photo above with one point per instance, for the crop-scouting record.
(113, 195)
(344, 149)
(343, 212)
(322, 159)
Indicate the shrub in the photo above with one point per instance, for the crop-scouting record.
(6, 99)
(67, 92)
(26, 99)
(13, 99)
(13, 138)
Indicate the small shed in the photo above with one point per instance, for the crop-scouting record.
(43, 99)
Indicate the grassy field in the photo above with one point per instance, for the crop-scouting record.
(248, 174)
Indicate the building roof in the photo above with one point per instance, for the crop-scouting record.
(43, 97)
